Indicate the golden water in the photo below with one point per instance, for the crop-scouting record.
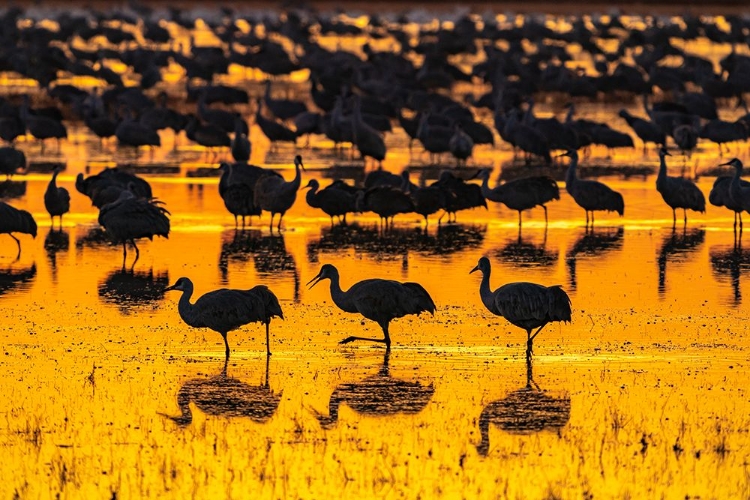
(643, 395)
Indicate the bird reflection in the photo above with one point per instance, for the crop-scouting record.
(16, 278)
(675, 247)
(268, 252)
(730, 263)
(523, 253)
(524, 411)
(55, 241)
(591, 244)
(12, 189)
(224, 396)
(126, 288)
(378, 395)
(396, 243)
(95, 237)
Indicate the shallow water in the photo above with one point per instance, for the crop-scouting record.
(108, 393)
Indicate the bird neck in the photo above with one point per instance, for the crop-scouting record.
(297, 176)
(311, 195)
(485, 292)
(339, 296)
(735, 187)
(53, 182)
(662, 167)
(570, 176)
(487, 192)
(185, 308)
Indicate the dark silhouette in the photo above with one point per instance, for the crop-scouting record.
(13, 220)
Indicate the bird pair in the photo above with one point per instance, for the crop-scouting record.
(526, 305)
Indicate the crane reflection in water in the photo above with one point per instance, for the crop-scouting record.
(675, 247)
(527, 410)
(56, 241)
(730, 263)
(15, 278)
(132, 290)
(227, 397)
(379, 395)
(592, 243)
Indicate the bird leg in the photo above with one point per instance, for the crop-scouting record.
(268, 335)
(587, 218)
(545, 215)
(279, 226)
(519, 219)
(270, 226)
(385, 340)
(674, 218)
(684, 213)
(226, 346)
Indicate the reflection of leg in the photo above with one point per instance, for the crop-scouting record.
(268, 345)
(226, 346)
(18, 244)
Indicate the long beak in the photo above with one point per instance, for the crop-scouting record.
(725, 164)
(316, 280)
(173, 287)
(476, 268)
(561, 155)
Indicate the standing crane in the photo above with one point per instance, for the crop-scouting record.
(720, 195)
(13, 220)
(226, 309)
(678, 192)
(56, 199)
(525, 305)
(273, 194)
(591, 195)
(739, 192)
(378, 300)
(521, 194)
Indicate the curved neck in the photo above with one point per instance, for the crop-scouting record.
(311, 194)
(570, 176)
(184, 307)
(735, 185)
(297, 176)
(339, 296)
(662, 167)
(485, 292)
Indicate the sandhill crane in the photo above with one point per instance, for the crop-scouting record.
(739, 192)
(527, 139)
(427, 200)
(521, 194)
(386, 201)
(460, 195)
(367, 139)
(337, 199)
(273, 194)
(283, 109)
(378, 395)
(56, 199)
(720, 197)
(722, 132)
(678, 192)
(686, 138)
(460, 145)
(132, 133)
(236, 188)
(227, 309)
(241, 147)
(591, 195)
(378, 300)
(129, 218)
(11, 160)
(646, 130)
(13, 220)
(105, 187)
(525, 305)
(273, 130)
(42, 127)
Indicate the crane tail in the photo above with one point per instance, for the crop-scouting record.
(559, 304)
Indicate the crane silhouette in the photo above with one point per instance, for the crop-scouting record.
(525, 305)
(13, 220)
(337, 199)
(56, 199)
(224, 396)
(274, 194)
(129, 218)
(378, 395)
(591, 195)
(521, 194)
(678, 192)
(227, 309)
(378, 300)
(721, 196)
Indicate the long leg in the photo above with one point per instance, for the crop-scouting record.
(674, 218)
(226, 346)
(281, 216)
(545, 215)
(684, 213)
(137, 253)
(519, 219)
(385, 340)
(268, 335)
(270, 226)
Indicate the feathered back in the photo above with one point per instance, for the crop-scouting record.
(559, 304)
(421, 298)
(13, 220)
(131, 218)
(269, 300)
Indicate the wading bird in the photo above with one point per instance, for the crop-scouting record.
(273, 194)
(678, 192)
(720, 195)
(739, 191)
(56, 199)
(13, 220)
(129, 218)
(226, 309)
(525, 305)
(378, 300)
(591, 195)
(521, 194)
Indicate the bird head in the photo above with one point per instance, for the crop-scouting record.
(181, 284)
(663, 152)
(571, 153)
(326, 272)
(298, 162)
(483, 265)
(312, 183)
(623, 113)
(734, 162)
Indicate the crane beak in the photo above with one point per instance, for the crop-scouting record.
(476, 268)
(314, 281)
(173, 287)
(725, 164)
